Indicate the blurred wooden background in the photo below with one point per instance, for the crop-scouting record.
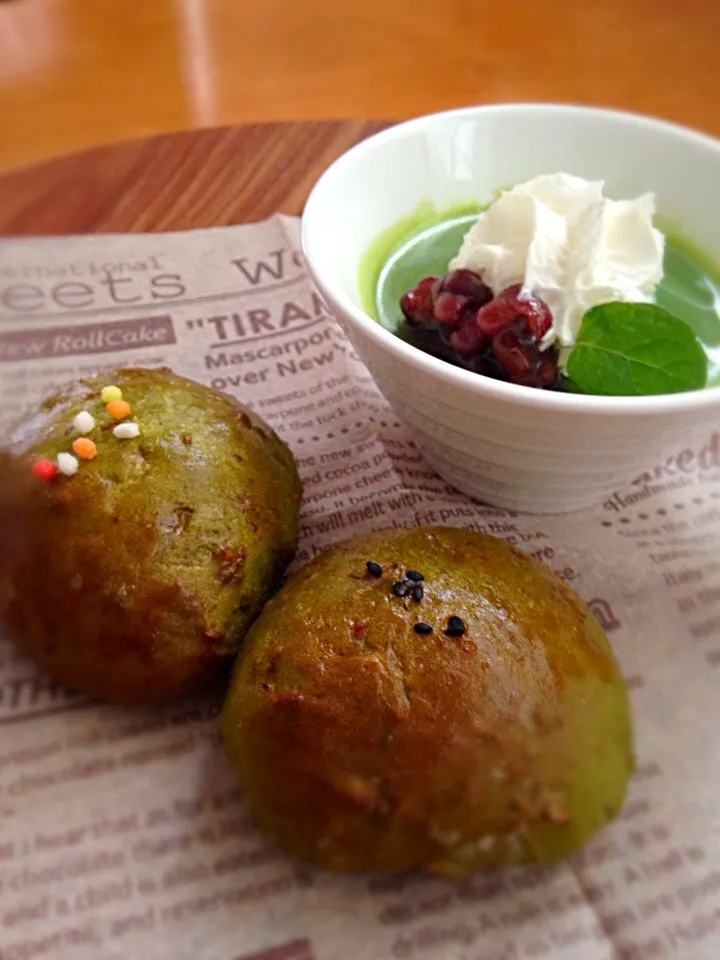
(79, 72)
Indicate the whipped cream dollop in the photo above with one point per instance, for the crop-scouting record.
(566, 243)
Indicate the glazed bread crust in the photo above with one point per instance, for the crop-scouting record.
(363, 744)
(140, 574)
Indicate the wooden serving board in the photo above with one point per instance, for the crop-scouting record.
(177, 181)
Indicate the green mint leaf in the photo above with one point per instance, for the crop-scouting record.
(634, 350)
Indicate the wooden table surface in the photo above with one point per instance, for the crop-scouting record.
(76, 73)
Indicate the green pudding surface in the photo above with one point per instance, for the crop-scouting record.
(424, 243)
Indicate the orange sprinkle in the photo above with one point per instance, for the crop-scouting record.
(84, 448)
(118, 409)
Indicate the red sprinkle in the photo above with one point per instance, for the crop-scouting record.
(44, 469)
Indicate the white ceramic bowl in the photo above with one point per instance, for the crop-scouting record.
(515, 447)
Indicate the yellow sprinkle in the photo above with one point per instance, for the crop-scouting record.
(111, 393)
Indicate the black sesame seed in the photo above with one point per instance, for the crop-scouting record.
(374, 569)
(455, 627)
(414, 575)
(422, 627)
(399, 588)
(417, 592)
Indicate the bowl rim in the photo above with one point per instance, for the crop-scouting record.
(513, 394)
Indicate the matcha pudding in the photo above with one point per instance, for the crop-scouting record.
(552, 286)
